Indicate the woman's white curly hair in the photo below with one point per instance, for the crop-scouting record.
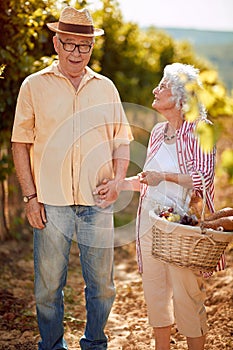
(177, 76)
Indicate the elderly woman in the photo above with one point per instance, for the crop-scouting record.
(170, 175)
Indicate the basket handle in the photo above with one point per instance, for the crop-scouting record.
(204, 201)
(200, 239)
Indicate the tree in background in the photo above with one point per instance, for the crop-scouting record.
(22, 41)
(133, 58)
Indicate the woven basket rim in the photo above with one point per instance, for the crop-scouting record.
(189, 230)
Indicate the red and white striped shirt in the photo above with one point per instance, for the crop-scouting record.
(192, 160)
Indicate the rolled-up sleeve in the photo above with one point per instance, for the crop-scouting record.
(122, 130)
(24, 123)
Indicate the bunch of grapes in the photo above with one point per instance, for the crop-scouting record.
(189, 220)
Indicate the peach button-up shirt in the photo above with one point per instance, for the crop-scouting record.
(73, 133)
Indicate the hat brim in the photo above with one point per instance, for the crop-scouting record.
(54, 27)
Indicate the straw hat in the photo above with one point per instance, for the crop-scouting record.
(77, 22)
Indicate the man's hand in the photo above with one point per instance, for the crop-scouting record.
(106, 193)
(36, 214)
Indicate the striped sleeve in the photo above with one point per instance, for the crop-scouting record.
(204, 162)
(198, 162)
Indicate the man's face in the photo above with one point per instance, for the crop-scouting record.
(72, 63)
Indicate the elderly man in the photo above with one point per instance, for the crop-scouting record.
(70, 133)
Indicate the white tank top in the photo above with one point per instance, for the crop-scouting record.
(167, 193)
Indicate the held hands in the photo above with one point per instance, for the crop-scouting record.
(151, 178)
(36, 214)
(106, 193)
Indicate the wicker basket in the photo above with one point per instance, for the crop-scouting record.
(188, 246)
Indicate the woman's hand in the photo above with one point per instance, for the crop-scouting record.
(151, 178)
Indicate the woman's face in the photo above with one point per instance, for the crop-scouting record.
(163, 100)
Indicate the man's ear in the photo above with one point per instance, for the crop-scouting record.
(55, 43)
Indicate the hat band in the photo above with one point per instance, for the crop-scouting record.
(76, 28)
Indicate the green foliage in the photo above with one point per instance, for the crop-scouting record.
(222, 56)
(206, 134)
(6, 166)
(2, 67)
(132, 58)
(25, 38)
(227, 162)
(214, 95)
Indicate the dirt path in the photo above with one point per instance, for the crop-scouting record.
(127, 328)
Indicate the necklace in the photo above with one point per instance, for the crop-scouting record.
(168, 138)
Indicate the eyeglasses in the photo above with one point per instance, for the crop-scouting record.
(70, 47)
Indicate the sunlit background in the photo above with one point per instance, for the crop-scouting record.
(198, 14)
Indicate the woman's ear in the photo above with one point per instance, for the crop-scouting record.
(182, 106)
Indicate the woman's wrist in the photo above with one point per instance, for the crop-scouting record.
(120, 186)
(128, 184)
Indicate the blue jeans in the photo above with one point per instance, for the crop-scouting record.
(94, 233)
